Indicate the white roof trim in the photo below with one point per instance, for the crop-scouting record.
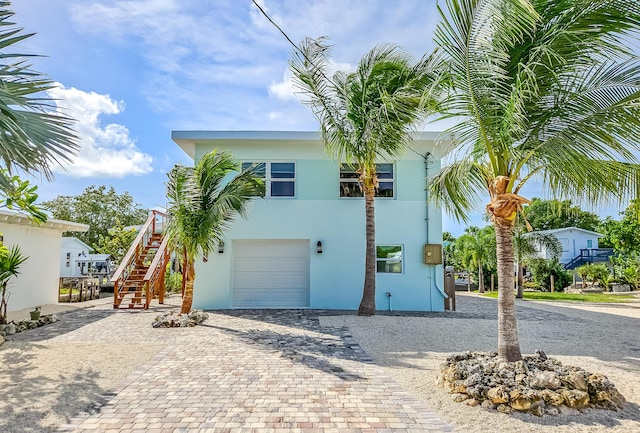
(578, 229)
(53, 224)
(187, 139)
(79, 241)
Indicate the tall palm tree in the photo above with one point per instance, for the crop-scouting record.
(547, 90)
(477, 249)
(202, 204)
(526, 245)
(366, 116)
(33, 135)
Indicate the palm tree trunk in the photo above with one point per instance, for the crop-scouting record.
(368, 303)
(480, 279)
(189, 276)
(508, 345)
(519, 293)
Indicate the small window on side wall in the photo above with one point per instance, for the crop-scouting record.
(389, 259)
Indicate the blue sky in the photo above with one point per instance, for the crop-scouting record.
(131, 71)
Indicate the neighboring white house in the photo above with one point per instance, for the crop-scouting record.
(38, 281)
(72, 248)
(573, 241)
(303, 243)
(76, 260)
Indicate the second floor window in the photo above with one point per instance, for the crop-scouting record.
(350, 187)
(279, 177)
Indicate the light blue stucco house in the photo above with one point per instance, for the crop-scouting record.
(302, 245)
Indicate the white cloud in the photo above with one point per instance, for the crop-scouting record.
(105, 151)
(223, 61)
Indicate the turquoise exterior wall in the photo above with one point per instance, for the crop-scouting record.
(318, 214)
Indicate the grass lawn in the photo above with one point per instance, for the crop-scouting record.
(569, 297)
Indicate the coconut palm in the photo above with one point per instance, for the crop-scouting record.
(546, 90)
(202, 204)
(10, 261)
(477, 249)
(365, 116)
(527, 244)
(33, 135)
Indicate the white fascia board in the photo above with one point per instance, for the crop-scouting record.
(54, 224)
(187, 139)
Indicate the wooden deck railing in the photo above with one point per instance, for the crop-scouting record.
(155, 224)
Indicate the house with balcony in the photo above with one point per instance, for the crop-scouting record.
(579, 247)
(303, 243)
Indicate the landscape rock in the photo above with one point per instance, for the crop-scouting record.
(575, 398)
(546, 380)
(537, 384)
(459, 397)
(10, 329)
(1, 340)
(576, 380)
(172, 319)
(498, 395)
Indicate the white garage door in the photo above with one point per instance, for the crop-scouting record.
(271, 274)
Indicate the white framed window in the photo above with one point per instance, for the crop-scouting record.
(350, 187)
(279, 177)
(389, 259)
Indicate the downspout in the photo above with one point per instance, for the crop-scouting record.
(427, 160)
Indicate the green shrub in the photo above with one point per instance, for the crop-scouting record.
(173, 281)
(541, 271)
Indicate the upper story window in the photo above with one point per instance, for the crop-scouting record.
(350, 187)
(279, 177)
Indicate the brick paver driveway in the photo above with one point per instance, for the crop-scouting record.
(241, 372)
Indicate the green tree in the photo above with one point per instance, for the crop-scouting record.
(623, 235)
(10, 263)
(101, 208)
(201, 208)
(477, 249)
(525, 246)
(547, 90)
(117, 241)
(594, 273)
(556, 214)
(541, 271)
(365, 116)
(33, 135)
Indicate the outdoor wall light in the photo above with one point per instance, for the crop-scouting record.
(221, 247)
(319, 247)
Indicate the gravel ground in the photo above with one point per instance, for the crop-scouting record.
(600, 338)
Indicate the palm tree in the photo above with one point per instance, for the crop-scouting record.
(10, 261)
(33, 135)
(201, 208)
(477, 248)
(366, 116)
(527, 244)
(547, 90)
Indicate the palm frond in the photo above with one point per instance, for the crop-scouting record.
(457, 187)
(33, 135)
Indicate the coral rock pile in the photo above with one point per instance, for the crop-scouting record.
(537, 384)
(174, 320)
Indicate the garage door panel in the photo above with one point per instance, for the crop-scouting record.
(261, 249)
(270, 264)
(282, 280)
(271, 274)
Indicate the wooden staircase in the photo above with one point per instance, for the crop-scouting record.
(140, 276)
